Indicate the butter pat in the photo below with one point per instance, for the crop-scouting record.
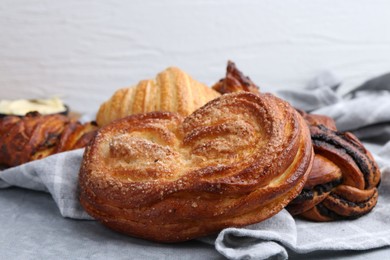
(20, 107)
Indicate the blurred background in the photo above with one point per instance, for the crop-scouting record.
(82, 51)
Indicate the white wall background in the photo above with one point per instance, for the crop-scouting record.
(84, 50)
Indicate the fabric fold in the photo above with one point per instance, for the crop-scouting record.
(57, 175)
(259, 241)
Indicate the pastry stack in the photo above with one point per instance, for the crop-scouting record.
(175, 160)
(171, 159)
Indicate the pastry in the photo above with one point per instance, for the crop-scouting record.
(172, 90)
(238, 160)
(235, 81)
(36, 136)
(344, 178)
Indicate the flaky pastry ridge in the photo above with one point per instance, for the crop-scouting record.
(171, 90)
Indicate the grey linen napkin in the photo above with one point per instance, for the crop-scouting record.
(366, 112)
(57, 174)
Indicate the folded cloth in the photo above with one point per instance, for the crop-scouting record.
(56, 174)
(366, 112)
(276, 236)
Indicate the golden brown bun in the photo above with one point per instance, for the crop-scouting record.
(344, 178)
(35, 136)
(237, 160)
(172, 90)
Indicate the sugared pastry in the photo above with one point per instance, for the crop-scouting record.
(237, 160)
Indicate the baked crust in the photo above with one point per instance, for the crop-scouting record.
(237, 160)
(235, 81)
(36, 136)
(172, 90)
(344, 178)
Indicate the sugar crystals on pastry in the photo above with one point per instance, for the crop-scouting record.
(235, 161)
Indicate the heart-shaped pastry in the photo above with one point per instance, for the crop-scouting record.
(237, 160)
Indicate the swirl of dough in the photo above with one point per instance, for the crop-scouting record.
(344, 179)
(235, 161)
(35, 136)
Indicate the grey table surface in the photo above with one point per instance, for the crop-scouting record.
(32, 228)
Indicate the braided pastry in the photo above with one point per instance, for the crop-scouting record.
(237, 160)
(235, 81)
(172, 90)
(344, 179)
(35, 136)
